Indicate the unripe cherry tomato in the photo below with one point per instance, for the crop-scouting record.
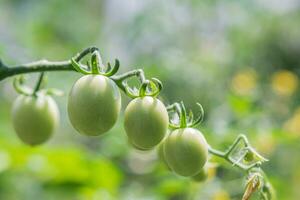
(201, 176)
(94, 104)
(34, 118)
(186, 151)
(146, 122)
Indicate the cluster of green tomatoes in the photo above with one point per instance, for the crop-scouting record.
(94, 104)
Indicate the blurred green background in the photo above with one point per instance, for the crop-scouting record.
(239, 59)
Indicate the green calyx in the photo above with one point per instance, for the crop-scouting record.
(95, 66)
(21, 88)
(183, 119)
(150, 87)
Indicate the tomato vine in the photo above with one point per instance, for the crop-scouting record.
(245, 158)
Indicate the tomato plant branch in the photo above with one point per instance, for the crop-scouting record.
(121, 82)
(232, 161)
(74, 65)
(245, 158)
(227, 155)
(39, 83)
(42, 65)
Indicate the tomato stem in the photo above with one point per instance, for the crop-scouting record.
(142, 91)
(42, 65)
(121, 81)
(96, 62)
(38, 84)
(19, 86)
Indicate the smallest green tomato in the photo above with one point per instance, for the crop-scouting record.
(146, 122)
(201, 176)
(35, 118)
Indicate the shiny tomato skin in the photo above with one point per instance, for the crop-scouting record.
(146, 122)
(94, 105)
(35, 118)
(186, 151)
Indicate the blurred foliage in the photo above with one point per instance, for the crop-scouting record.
(239, 59)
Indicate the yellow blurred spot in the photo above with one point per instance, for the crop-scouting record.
(244, 82)
(221, 195)
(266, 144)
(292, 125)
(211, 170)
(284, 82)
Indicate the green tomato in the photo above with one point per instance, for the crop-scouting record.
(201, 176)
(186, 151)
(94, 104)
(34, 118)
(146, 122)
(161, 154)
